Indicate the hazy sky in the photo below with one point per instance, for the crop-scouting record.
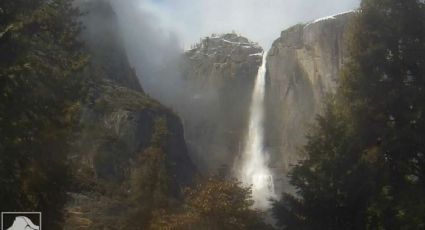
(259, 20)
(155, 31)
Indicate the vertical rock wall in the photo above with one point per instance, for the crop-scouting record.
(303, 67)
(219, 76)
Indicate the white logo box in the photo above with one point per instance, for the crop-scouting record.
(19, 222)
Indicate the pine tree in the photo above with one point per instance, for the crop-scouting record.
(40, 85)
(365, 163)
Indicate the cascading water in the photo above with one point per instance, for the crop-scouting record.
(254, 170)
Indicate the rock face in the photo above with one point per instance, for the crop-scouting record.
(102, 38)
(219, 73)
(303, 66)
(117, 105)
(119, 122)
(118, 125)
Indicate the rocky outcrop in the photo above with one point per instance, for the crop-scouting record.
(117, 104)
(303, 67)
(118, 127)
(119, 124)
(219, 76)
(104, 43)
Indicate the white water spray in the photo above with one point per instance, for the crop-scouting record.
(254, 170)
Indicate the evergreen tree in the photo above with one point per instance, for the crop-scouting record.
(333, 183)
(40, 57)
(365, 162)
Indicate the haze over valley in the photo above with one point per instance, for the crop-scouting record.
(197, 114)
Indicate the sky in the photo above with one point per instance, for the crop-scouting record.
(155, 32)
(258, 20)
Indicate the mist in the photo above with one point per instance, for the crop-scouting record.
(156, 32)
(259, 20)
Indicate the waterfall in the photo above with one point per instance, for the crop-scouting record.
(254, 170)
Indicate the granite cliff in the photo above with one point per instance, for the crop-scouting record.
(219, 74)
(119, 125)
(303, 67)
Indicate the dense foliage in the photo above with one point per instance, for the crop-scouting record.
(144, 199)
(365, 162)
(150, 181)
(40, 57)
(213, 204)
